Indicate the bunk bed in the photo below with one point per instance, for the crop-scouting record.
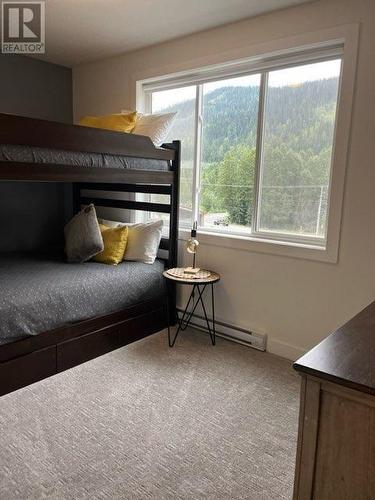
(92, 160)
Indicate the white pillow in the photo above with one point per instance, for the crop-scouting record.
(154, 126)
(143, 239)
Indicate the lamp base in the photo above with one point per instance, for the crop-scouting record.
(192, 270)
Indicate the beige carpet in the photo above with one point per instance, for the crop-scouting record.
(150, 422)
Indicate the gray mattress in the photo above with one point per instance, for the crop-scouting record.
(29, 154)
(38, 294)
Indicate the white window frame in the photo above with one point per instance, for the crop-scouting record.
(342, 43)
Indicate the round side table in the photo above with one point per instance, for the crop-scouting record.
(196, 296)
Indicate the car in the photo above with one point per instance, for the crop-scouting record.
(220, 222)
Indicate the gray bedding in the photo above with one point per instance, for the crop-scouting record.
(38, 294)
(29, 154)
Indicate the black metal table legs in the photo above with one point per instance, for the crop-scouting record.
(184, 322)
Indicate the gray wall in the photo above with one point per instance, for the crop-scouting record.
(30, 87)
(32, 215)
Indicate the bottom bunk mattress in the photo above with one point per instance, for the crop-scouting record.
(39, 293)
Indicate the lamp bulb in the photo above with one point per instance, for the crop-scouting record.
(191, 245)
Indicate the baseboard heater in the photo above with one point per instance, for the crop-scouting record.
(230, 332)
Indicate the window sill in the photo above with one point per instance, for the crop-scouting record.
(263, 245)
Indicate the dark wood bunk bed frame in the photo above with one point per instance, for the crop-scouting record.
(36, 357)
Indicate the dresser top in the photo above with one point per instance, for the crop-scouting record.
(347, 356)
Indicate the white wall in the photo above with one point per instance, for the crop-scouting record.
(296, 302)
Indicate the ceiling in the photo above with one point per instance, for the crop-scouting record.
(79, 31)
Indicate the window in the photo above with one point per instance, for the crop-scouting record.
(296, 149)
(257, 145)
(181, 100)
(227, 159)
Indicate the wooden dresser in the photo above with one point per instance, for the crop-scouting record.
(336, 436)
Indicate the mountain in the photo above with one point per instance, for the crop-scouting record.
(296, 155)
(298, 116)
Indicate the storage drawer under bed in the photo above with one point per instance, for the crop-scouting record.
(42, 363)
(27, 369)
(89, 346)
(80, 349)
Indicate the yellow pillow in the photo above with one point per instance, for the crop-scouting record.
(115, 240)
(119, 123)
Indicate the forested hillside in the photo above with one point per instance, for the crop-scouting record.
(299, 124)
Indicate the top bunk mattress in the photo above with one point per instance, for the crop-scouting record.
(39, 294)
(31, 154)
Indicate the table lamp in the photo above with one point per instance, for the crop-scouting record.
(191, 246)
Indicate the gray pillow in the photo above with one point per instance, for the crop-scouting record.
(83, 239)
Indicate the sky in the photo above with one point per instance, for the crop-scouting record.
(279, 78)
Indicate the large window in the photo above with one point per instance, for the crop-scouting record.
(256, 147)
